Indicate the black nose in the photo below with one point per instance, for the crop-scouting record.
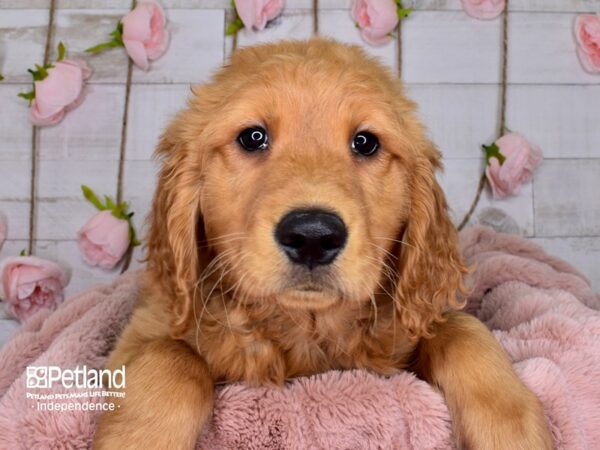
(311, 237)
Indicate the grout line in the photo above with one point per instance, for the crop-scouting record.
(546, 158)
(295, 6)
(554, 236)
(509, 84)
(406, 83)
(150, 159)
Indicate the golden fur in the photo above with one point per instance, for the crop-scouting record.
(221, 303)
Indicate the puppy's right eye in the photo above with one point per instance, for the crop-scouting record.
(253, 139)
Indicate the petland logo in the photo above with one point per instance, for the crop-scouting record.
(44, 377)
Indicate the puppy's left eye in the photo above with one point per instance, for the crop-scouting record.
(365, 143)
(253, 139)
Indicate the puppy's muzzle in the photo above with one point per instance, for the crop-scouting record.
(311, 237)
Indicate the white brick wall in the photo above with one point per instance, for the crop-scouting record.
(451, 64)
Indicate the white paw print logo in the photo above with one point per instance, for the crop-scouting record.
(37, 377)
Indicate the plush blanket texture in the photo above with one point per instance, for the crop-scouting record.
(541, 309)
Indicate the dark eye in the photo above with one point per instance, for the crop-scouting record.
(253, 139)
(365, 143)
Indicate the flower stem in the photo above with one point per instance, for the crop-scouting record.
(127, 258)
(482, 182)
(502, 125)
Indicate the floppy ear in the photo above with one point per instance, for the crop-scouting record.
(431, 268)
(174, 261)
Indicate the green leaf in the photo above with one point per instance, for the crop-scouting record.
(109, 202)
(29, 96)
(91, 197)
(120, 211)
(402, 12)
(61, 51)
(1, 77)
(101, 47)
(42, 71)
(117, 34)
(493, 151)
(236, 24)
(23, 253)
(35, 74)
(234, 27)
(117, 41)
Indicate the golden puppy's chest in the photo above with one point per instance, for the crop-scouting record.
(287, 344)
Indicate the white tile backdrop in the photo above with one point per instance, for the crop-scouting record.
(451, 65)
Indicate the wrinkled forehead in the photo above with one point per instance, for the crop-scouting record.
(306, 94)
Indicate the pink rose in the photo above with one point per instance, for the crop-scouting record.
(522, 157)
(60, 91)
(256, 13)
(484, 9)
(376, 19)
(31, 284)
(587, 33)
(144, 34)
(3, 230)
(103, 240)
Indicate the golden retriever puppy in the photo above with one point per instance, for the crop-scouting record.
(297, 228)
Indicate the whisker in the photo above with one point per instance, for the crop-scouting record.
(223, 241)
(375, 312)
(215, 263)
(387, 252)
(210, 295)
(223, 236)
(391, 272)
(197, 318)
(395, 240)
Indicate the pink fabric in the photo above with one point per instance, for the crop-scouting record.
(542, 310)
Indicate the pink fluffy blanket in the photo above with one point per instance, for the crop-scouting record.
(541, 309)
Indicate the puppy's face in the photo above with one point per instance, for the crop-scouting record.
(293, 177)
(305, 189)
